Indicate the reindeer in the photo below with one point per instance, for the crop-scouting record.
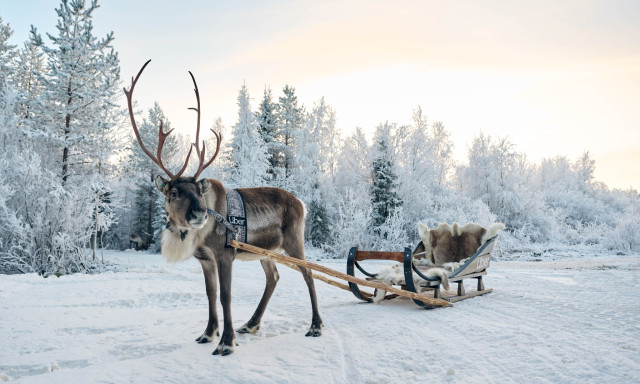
(275, 221)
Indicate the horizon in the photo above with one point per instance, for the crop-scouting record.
(555, 79)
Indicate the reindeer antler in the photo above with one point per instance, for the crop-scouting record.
(201, 164)
(162, 136)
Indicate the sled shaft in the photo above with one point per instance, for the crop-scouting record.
(316, 267)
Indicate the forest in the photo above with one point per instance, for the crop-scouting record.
(73, 179)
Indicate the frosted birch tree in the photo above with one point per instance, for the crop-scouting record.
(354, 169)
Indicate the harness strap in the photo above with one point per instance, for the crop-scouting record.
(220, 219)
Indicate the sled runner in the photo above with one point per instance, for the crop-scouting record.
(417, 279)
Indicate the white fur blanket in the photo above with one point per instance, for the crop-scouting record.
(394, 275)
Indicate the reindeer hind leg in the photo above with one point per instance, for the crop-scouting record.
(296, 249)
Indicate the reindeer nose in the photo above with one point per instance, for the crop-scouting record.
(197, 214)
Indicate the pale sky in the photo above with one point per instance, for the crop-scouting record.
(554, 77)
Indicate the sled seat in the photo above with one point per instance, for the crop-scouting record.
(416, 278)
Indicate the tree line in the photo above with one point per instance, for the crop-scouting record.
(73, 179)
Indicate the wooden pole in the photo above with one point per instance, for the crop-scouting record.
(327, 280)
(283, 259)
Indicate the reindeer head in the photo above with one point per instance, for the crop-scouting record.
(184, 201)
(184, 196)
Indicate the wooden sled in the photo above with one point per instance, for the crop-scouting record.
(474, 268)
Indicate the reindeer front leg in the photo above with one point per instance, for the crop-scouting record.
(209, 268)
(228, 339)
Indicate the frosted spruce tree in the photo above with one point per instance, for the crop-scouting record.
(267, 117)
(29, 84)
(290, 120)
(318, 226)
(384, 196)
(7, 51)
(7, 91)
(249, 163)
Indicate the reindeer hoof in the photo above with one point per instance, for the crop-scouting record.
(314, 331)
(223, 350)
(249, 329)
(204, 338)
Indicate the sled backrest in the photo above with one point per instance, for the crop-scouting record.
(479, 261)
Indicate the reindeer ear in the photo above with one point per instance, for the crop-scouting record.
(162, 184)
(204, 185)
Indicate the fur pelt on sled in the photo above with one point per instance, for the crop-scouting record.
(452, 243)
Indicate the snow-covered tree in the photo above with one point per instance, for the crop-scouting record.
(488, 175)
(81, 102)
(220, 168)
(7, 51)
(71, 204)
(321, 124)
(584, 169)
(308, 183)
(351, 226)
(625, 235)
(290, 119)
(82, 90)
(249, 161)
(8, 96)
(384, 196)
(316, 162)
(570, 190)
(267, 116)
(354, 168)
(502, 178)
(424, 161)
(318, 226)
(29, 83)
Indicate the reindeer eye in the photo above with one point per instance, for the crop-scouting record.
(174, 194)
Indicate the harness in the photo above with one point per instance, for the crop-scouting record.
(236, 221)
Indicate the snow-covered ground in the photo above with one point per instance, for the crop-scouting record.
(568, 320)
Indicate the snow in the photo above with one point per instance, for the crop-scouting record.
(569, 319)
